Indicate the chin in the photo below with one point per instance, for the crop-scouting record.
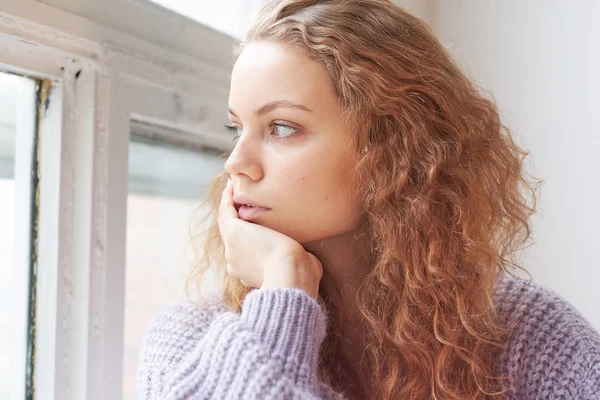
(311, 235)
(291, 230)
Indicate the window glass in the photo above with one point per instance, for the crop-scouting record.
(166, 184)
(13, 329)
(227, 16)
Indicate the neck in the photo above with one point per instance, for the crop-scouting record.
(346, 260)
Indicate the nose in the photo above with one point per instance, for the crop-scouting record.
(244, 160)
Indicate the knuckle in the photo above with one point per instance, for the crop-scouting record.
(225, 232)
(227, 235)
(231, 234)
(230, 269)
(245, 283)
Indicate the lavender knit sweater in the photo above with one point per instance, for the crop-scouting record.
(270, 350)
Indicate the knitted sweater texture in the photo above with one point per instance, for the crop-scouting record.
(270, 350)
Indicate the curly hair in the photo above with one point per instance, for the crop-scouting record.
(444, 198)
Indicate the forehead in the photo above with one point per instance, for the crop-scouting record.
(267, 71)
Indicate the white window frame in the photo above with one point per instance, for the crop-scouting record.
(110, 63)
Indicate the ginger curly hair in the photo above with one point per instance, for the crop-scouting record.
(444, 197)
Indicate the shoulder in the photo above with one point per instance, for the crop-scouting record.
(530, 305)
(552, 347)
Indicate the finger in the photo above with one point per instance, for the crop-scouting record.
(227, 204)
(242, 275)
(317, 267)
(227, 209)
(245, 283)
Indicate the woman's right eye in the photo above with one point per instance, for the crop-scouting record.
(234, 130)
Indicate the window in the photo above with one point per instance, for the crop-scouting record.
(17, 121)
(227, 16)
(167, 183)
(102, 69)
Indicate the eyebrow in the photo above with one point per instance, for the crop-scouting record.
(267, 108)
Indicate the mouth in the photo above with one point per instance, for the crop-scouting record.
(248, 209)
(241, 200)
(238, 206)
(249, 212)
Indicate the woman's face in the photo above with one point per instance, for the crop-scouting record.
(294, 154)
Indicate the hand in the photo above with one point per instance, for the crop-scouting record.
(263, 258)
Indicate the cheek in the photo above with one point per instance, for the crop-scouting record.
(313, 183)
(339, 203)
(320, 201)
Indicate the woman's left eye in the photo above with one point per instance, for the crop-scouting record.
(283, 131)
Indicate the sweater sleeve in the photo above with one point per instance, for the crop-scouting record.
(270, 351)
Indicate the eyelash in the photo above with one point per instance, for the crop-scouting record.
(234, 130)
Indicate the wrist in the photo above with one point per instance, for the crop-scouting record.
(295, 270)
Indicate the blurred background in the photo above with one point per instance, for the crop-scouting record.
(539, 59)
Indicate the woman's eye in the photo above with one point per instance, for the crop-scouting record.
(280, 131)
(283, 131)
(234, 130)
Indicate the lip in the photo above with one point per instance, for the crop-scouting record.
(250, 213)
(241, 199)
(245, 212)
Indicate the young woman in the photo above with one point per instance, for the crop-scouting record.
(365, 225)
